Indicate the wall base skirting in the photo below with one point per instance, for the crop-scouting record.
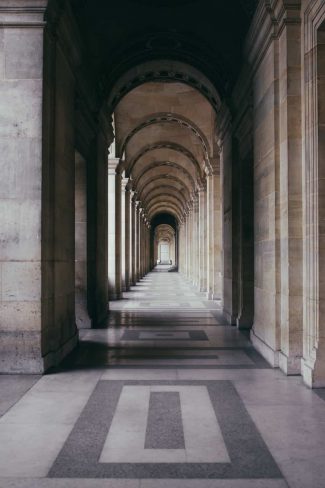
(271, 356)
(243, 323)
(115, 296)
(231, 319)
(216, 296)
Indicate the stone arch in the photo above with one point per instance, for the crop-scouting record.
(172, 192)
(164, 144)
(162, 70)
(165, 207)
(169, 118)
(166, 198)
(169, 164)
(164, 186)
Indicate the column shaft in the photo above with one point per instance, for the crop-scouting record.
(114, 231)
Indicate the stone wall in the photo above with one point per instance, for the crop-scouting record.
(273, 53)
(21, 68)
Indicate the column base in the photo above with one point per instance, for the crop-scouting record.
(54, 358)
(230, 318)
(311, 376)
(101, 319)
(216, 297)
(20, 352)
(291, 366)
(83, 321)
(244, 323)
(115, 296)
(271, 356)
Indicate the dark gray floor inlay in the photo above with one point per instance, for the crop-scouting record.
(98, 355)
(249, 455)
(164, 427)
(139, 335)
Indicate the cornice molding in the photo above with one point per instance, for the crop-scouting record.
(270, 19)
(23, 13)
(224, 124)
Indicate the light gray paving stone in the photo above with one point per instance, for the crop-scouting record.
(13, 387)
(213, 483)
(67, 483)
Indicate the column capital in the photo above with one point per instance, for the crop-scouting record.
(112, 165)
(189, 206)
(213, 172)
(125, 184)
(26, 13)
(201, 185)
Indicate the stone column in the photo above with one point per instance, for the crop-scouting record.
(81, 252)
(137, 241)
(133, 238)
(210, 238)
(313, 362)
(202, 238)
(97, 225)
(21, 51)
(143, 246)
(190, 242)
(291, 244)
(217, 245)
(187, 243)
(196, 241)
(125, 238)
(150, 258)
(245, 234)
(214, 236)
(146, 247)
(140, 242)
(181, 247)
(114, 230)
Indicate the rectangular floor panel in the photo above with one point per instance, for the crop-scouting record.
(221, 440)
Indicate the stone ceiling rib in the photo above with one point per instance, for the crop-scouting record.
(146, 189)
(170, 191)
(161, 145)
(172, 119)
(154, 166)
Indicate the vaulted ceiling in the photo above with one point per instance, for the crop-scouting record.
(165, 138)
(207, 34)
(163, 67)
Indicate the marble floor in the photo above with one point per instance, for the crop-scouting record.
(164, 395)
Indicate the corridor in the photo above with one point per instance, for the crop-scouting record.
(164, 395)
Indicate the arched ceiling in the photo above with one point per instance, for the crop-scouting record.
(206, 34)
(164, 136)
(164, 67)
(164, 232)
(163, 218)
